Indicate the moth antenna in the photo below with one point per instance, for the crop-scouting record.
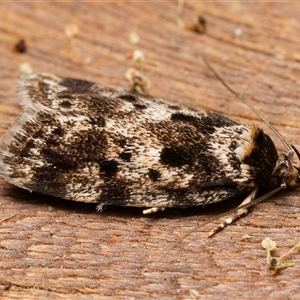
(296, 151)
(283, 141)
(245, 206)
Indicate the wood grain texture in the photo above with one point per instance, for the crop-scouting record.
(51, 248)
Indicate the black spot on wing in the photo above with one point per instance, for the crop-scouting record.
(128, 97)
(134, 100)
(153, 174)
(109, 167)
(120, 141)
(65, 104)
(140, 106)
(206, 123)
(174, 107)
(176, 156)
(54, 139)
(77, 86)
(126, 156)
(26, 150)
(58, 131)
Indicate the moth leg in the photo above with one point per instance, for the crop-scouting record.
(240, 212)
(152, 210)
(100, 207)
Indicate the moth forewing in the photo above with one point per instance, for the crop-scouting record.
(83, 141)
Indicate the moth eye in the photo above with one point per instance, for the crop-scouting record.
(274, 182)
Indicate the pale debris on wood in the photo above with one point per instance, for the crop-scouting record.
(238, 31)
(194, 294)
(134, 38)
(71, 30)
(276, 263)
(25, 68)
(138, 56)
(246, 237)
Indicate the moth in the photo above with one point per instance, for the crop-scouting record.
(83, 141)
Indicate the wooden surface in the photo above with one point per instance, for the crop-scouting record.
(51, 248)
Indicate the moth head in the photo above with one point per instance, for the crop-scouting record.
(285, 170)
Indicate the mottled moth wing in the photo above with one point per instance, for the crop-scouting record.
(86, 142)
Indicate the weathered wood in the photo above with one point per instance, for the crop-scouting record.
(61, 249)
